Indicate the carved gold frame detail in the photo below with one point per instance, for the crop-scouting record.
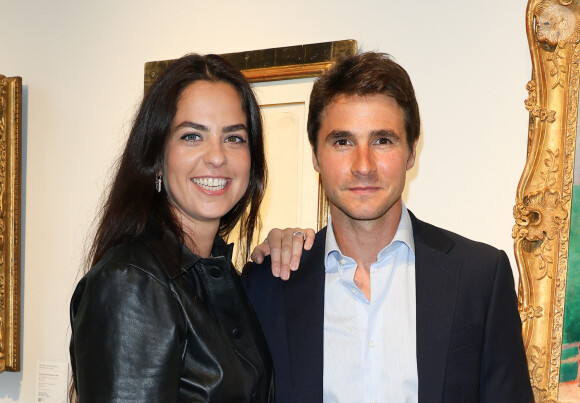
(275, 64)
(543, 199)
(10, 173)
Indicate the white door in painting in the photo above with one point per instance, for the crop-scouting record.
(291, 198)
(292, 193)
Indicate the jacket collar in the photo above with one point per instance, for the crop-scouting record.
(175, 256)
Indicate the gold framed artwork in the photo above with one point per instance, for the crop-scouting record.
(545, 249)
(10, 174)
(277, 64)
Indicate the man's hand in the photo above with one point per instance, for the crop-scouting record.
(285, 248)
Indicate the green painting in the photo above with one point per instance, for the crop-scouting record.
(570, 359)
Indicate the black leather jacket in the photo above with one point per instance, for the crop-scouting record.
(153, 322)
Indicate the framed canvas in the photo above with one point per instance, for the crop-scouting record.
(10, 174)
(545, 235)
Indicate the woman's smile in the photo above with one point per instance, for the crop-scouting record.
(211, 183)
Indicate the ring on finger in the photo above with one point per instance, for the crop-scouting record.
(299, 233)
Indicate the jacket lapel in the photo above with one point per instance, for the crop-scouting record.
(437, 280)
(304, 305)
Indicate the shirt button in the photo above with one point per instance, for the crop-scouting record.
(342, 262)
(236, 333)
(353, 290)
(371, 343)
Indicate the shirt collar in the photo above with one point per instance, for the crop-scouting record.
(404, 234)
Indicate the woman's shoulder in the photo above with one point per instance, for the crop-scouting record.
(129, 259)
(128, 275)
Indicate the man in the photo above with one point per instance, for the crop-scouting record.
(384, 306)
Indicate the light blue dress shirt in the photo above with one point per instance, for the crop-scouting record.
(370, 346)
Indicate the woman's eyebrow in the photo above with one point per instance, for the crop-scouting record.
(193, 125)
(234, 128)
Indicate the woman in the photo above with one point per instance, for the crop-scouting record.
(161, 315)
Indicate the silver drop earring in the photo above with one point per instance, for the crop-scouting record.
(158, 181)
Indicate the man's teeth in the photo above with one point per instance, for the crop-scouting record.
(211, 183)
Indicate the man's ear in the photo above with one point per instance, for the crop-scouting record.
(412, 155)
(315, 161)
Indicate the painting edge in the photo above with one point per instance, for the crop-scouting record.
(543, 198)
(10, 199)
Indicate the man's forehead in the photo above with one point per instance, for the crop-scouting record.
(345, 106)
(350, 99)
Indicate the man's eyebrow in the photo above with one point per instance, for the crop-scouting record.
(385, 132)
(342, 134)
(339, 134)
(192, 125)
(234, 128)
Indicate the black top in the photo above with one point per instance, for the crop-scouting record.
(153, 322)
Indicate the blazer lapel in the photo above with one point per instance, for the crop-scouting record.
(304, 305)
(437, 280)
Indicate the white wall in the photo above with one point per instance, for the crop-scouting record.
(82, 69)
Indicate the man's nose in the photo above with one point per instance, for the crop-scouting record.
(364, 163)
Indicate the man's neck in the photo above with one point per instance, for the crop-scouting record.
(362, 240)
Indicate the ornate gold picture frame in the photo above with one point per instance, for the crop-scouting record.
(10, 174)
(285, 63)
(544, 194)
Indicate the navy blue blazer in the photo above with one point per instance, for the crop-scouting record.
(469, 345)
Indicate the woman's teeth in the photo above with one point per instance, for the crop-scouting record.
(211, 183)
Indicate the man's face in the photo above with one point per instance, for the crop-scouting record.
(362, 156)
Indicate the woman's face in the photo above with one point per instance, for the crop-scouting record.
(206, 166)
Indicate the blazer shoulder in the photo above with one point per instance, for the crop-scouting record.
(257, 272)
(256, 275)
(448, 241)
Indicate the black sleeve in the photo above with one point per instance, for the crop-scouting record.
(127, 339)
(504, 372)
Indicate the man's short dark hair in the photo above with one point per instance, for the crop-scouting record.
(364, 74)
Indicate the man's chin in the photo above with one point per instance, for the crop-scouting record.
(364, 212)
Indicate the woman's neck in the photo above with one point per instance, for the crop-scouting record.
(199, 236)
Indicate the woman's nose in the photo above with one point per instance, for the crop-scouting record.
(214, 153)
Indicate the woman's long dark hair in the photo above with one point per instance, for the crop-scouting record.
(132, 199)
